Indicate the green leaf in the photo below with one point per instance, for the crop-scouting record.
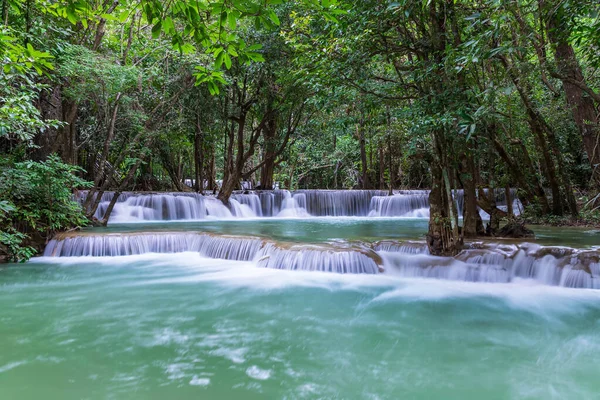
(231, 20)
(273, 17)
(71, 16)
(156, 29)
(255, 56)
(227, 60)
(219, 60)
(168, 26)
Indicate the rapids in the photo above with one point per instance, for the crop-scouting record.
(481, 262)
(326, 301)
(139, 206)
(156, 326)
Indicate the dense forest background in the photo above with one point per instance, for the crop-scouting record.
(201, 95)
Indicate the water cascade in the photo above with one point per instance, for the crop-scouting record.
(293, 205)
(132, 207)
(264, 253)
(554, 266)
(408, 204)
(246, 205)
(338, 203)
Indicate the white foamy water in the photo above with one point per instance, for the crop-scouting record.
(182, 325)
(136, 207)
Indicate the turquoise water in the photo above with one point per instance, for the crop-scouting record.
(180, 326)
(322, 229)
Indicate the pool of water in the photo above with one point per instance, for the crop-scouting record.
(181, 326)
(321, 229)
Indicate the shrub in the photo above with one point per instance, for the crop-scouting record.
(36, 201)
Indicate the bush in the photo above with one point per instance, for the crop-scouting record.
(36, 202)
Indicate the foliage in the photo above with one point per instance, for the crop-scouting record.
(310, 93)
(36, 200)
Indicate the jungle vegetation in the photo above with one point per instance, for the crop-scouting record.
(149, 95)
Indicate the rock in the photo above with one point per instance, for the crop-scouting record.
(514, 229)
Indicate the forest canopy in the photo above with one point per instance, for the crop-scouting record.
(118, 95)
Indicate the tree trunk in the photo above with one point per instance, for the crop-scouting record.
(363, 153)
(509, 205)
(212, 178)
(269, 153)
(471, 214)
(104, 156)
(440, 236)
(231, 180)
(198, 157)
(118, 192)
(391, 168)
(539, 127)
(381, 168)
(582, 106)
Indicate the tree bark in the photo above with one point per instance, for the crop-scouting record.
(471, 214)
(440, 236)
(269, 153)
(363, 152)
(381, 168)
(198, 156)
(581, 105)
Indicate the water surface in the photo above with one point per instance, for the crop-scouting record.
(182, 326)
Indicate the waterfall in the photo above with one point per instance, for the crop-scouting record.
(132, 207)
(414, 205)
(264, 253)
(158, 207)
(246, 205)
(293, 206)
(241, 210)
(554, 266)
(317, 259)
(216, 209)
(336, 203)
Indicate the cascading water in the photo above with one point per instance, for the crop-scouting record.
(554, 266)
(132, 207)
(401, 204)
(293, 206)
(338, 203)
(264, 253)
(246, 205)
(316, 258)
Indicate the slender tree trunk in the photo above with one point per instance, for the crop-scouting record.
(391, 168)
(212, 171)
(120, 189)
(5, 12)
(104, 156)
(234, 174)
(470, 216)
(198, 156)
(509, 205)
(381, 168)
(363, 152)
(269, 152)
(539, 128)
(129, 40)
